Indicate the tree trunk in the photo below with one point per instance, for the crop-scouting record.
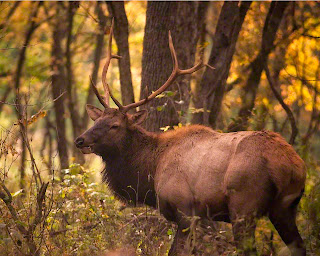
(213, 82)
(180, 18)
(21, 110)
(58, 85)
(96, 63)
(272, 23)
(72, 103)
(47, 140)
(121, 35)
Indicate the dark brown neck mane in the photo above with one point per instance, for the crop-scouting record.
(130, 168)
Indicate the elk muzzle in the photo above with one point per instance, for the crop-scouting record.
(82, 145)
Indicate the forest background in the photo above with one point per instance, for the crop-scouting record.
(266, 57)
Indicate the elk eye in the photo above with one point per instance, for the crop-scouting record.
(114, 126)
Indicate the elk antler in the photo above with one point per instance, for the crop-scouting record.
(174, 74)
(105, 101)
(105, 69)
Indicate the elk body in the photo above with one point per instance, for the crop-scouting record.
(196, 171)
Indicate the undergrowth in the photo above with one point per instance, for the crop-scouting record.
(82, 217)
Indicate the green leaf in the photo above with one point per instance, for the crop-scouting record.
(159, 108)
(170, 93)
(185, 230)
(160, 96)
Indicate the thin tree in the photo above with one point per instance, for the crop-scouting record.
(271, 25)
(20, 109)
(213, 82)
(58, 85)
(72, 99)
(121, 36)
(102, 19)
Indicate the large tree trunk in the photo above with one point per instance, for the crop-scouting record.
(96, 62)
(272, 23)
(214, 81)
(181, 19)
(121, 35)
(58, 84)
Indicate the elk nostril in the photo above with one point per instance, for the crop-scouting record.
(79, 142)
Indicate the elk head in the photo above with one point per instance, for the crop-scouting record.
(111, 125)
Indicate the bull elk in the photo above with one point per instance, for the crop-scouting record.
(196, 171)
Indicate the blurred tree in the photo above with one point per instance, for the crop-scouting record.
(71, 93)
(58, 79)
(213, 82)
(102, 20)
(272, 23)
(121, 35)
(20, 108)
(5, 95)
(12, 10)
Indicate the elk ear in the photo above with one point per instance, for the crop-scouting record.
(93, 112)
(139, 117)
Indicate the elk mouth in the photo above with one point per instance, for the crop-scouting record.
(86, 150)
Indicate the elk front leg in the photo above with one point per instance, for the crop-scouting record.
(243, 210)
(243, 232)
(178, 245)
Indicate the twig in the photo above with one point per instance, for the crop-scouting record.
(6, 197)
(294, 129)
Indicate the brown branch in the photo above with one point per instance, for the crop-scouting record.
(39, 211)
(6, 197)
(294, 129)
(5, 96)
(10, 13)
(311, 36)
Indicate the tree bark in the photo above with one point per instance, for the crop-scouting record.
(180, 18)
(96, 62)
(47, 139)
(72, 103)
(272, 23)
(58, 85)
(213, 82)
(121, 36)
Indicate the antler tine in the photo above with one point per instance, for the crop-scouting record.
(105, 104)
(105, 70)
(173, 54)
(174, 74)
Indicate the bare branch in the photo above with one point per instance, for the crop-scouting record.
(294, 129)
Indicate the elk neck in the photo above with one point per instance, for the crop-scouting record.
(130, 167)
